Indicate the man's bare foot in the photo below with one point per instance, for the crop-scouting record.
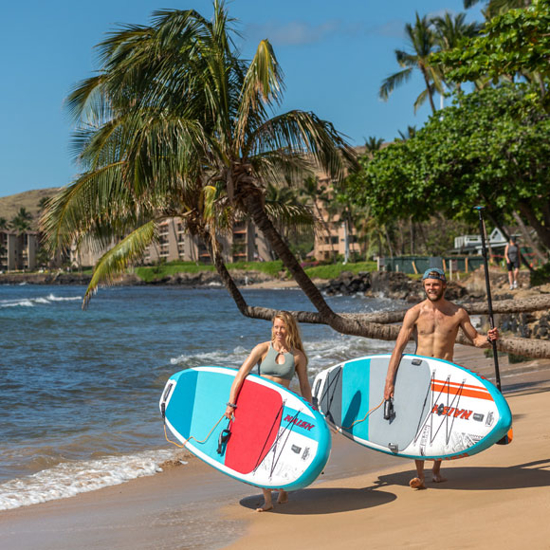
(417, 483)
(438, 478)
(265, 508)
(283, 497)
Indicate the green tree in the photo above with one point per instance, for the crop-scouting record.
(516, 43)
(491, 148)
(497, 7)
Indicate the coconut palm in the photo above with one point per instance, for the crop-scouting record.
(373, 144)
(177, 125)
(422, 43)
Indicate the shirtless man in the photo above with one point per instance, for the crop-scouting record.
(436, 321)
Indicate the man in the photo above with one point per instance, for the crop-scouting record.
(511, 254)
(436, 321)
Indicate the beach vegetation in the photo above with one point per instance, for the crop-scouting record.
(491, 148)
(176, 124)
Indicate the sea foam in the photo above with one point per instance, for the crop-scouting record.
(71, 478)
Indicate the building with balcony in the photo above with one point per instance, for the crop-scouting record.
(18, 250)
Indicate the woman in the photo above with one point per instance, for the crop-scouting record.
(279, 359)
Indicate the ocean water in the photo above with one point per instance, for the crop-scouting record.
(80, 389)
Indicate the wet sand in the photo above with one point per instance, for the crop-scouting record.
(497, 499)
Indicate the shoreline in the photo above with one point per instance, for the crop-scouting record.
(363, 497)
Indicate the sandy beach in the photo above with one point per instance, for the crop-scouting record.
(497, 499)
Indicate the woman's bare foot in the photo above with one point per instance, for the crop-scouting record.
(417, 483)
(283, 497)
(438, 478)
(268, 504)
(265, 508)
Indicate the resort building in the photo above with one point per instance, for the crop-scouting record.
(244, 243)
(18, 250)
(335, 236)
(174, 243)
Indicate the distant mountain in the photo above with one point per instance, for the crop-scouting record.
(9, 206)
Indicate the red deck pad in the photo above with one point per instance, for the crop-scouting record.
(255, 427)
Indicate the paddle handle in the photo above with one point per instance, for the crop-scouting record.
(489, 299)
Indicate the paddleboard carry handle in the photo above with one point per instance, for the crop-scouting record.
(389, 413)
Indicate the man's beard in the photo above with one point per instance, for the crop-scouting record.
(436, 297)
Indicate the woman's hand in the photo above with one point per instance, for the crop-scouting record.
(229, 411)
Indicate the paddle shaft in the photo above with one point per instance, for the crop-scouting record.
(488, 287)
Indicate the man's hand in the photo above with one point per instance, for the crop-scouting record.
(492, 335)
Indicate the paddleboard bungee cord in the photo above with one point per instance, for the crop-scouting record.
(191, 437)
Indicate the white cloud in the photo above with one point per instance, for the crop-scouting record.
(294, 32)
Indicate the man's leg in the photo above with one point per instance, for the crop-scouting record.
(418, 481)
(436, 472)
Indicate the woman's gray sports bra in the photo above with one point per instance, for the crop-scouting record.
(270, 367)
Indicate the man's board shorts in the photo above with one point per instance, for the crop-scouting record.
(514, 264)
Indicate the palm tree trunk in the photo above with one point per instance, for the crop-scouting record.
(254, 206)
(430, 94)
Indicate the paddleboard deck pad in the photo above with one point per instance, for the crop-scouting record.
(440, 410)
(276, 440)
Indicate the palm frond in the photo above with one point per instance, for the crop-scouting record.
(114, 262)
(393, 81)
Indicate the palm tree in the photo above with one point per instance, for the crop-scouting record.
(408, 134)
(177, 125)
(373, 144)
(422, 43)
(450, 30)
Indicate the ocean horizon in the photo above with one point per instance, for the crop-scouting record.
(81, 387)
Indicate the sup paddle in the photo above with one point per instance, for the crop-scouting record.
(508, 437)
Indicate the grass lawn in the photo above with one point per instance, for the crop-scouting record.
(329, 271)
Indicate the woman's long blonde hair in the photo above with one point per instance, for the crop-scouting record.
(293, 337)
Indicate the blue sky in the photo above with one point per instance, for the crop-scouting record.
(334, 56)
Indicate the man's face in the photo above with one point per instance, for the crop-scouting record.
(434, 289)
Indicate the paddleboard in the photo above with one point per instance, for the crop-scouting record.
(440, 410)
(276, 439)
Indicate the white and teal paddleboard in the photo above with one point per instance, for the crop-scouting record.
(440, 410)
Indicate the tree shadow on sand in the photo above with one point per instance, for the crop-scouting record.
(324, 501)
(530, 474)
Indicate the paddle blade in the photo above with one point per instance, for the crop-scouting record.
(507, 439)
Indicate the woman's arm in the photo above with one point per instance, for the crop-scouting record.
(255, 355)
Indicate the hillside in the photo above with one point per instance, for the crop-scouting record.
(9, 206)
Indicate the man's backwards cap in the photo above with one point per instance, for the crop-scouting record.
(434, 273)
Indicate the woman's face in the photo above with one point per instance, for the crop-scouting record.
(279, 330)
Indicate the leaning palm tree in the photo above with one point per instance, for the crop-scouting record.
(177, 125)
(422, 43)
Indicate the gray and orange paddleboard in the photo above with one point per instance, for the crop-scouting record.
(439, 411)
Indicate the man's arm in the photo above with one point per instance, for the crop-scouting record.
(402, 340)
(479, 340)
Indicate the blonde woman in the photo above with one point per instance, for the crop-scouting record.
(279, 359)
